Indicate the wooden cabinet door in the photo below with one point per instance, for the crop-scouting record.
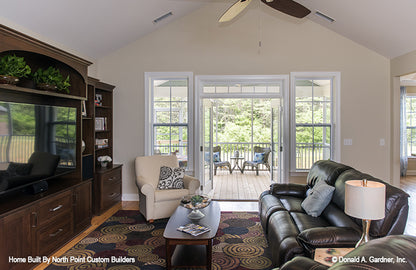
(17, 238)
(82, 206)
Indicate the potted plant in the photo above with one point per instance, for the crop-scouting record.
(51, 79)
(104, 160)
(12, 68)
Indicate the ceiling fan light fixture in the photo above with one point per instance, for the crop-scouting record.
(324, 16)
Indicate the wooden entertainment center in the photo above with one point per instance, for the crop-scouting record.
(37, 225)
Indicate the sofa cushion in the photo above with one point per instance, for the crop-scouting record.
(318, 198)
(170, 194)
(304, 221)
(337, 217)
(321, 237)
(327, 170)
(171, 178)
(291, 204)
(339, 193)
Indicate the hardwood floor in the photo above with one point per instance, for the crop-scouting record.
(408, 184)
(239, 186)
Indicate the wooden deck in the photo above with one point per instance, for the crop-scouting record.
(238, 186)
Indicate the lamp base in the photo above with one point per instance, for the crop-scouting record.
(365, 237)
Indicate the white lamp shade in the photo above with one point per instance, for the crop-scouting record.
(365, 202)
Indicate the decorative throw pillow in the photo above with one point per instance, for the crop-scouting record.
(318, 198)
(19, 169)
(171, 178)
(216, 157)
(258, 157)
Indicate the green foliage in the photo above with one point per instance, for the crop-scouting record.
(14, 66)
(52, 76)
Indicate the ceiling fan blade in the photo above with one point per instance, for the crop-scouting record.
(289, 7)
(234, 10)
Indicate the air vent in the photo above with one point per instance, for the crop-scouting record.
(324, 16)
(162, 17)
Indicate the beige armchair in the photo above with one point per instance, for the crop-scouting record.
(155, 203)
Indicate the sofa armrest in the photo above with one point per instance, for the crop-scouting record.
(295, 190)
(302, 263)
(328, 237)
(191, 183)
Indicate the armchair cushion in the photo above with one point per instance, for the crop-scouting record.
(216, 157)
(318, 198)
(171, 178)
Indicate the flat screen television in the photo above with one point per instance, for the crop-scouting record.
(26, 129)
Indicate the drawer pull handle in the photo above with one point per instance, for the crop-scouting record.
(55, 234)
(56, 208)
(113, 195)
(34, 219)
(111, 179)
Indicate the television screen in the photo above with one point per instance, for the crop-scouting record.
(28, 128)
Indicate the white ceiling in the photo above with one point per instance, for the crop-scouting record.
(95, 28)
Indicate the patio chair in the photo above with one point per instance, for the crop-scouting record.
(261, 156)
(218, 162)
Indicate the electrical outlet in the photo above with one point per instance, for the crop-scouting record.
(382, 142)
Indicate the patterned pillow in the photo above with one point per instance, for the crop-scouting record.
(258, 157)
(216, 157)
(171, 178)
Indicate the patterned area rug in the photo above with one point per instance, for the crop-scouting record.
(126, 242)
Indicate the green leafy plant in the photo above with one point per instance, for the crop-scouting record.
(12, 65)
(52, 76)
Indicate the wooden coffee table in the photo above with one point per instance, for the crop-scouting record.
(184, 250)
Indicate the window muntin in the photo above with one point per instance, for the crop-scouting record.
(411, 125)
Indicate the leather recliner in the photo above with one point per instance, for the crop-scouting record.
(291, 232)
(390, 252)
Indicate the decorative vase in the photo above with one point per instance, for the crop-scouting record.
(7, 79)
(46, 86)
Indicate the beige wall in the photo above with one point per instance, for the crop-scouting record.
(199, 44)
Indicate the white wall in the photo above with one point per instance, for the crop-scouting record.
(199, 44)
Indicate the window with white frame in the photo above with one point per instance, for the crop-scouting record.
(169, 115)
(313, 119)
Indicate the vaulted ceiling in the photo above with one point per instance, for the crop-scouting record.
(95, 28)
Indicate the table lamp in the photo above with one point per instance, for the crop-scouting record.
(365, 200)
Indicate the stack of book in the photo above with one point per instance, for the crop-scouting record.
(100, 123)
(193, 229)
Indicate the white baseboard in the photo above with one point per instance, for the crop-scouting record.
(411, 172)
(130, 197)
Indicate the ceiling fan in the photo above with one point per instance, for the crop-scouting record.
(289, 7)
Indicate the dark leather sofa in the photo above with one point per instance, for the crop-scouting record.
(390, 252)
(291, 232)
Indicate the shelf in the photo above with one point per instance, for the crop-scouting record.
(86, 118)
(13, 88)
(102, 148)
(102, 131)
(103, 107)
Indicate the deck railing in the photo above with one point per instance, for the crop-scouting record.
(306, 153)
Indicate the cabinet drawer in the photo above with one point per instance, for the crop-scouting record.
(111, 177)
(54, 235)
(111, 194)
(52, 207)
